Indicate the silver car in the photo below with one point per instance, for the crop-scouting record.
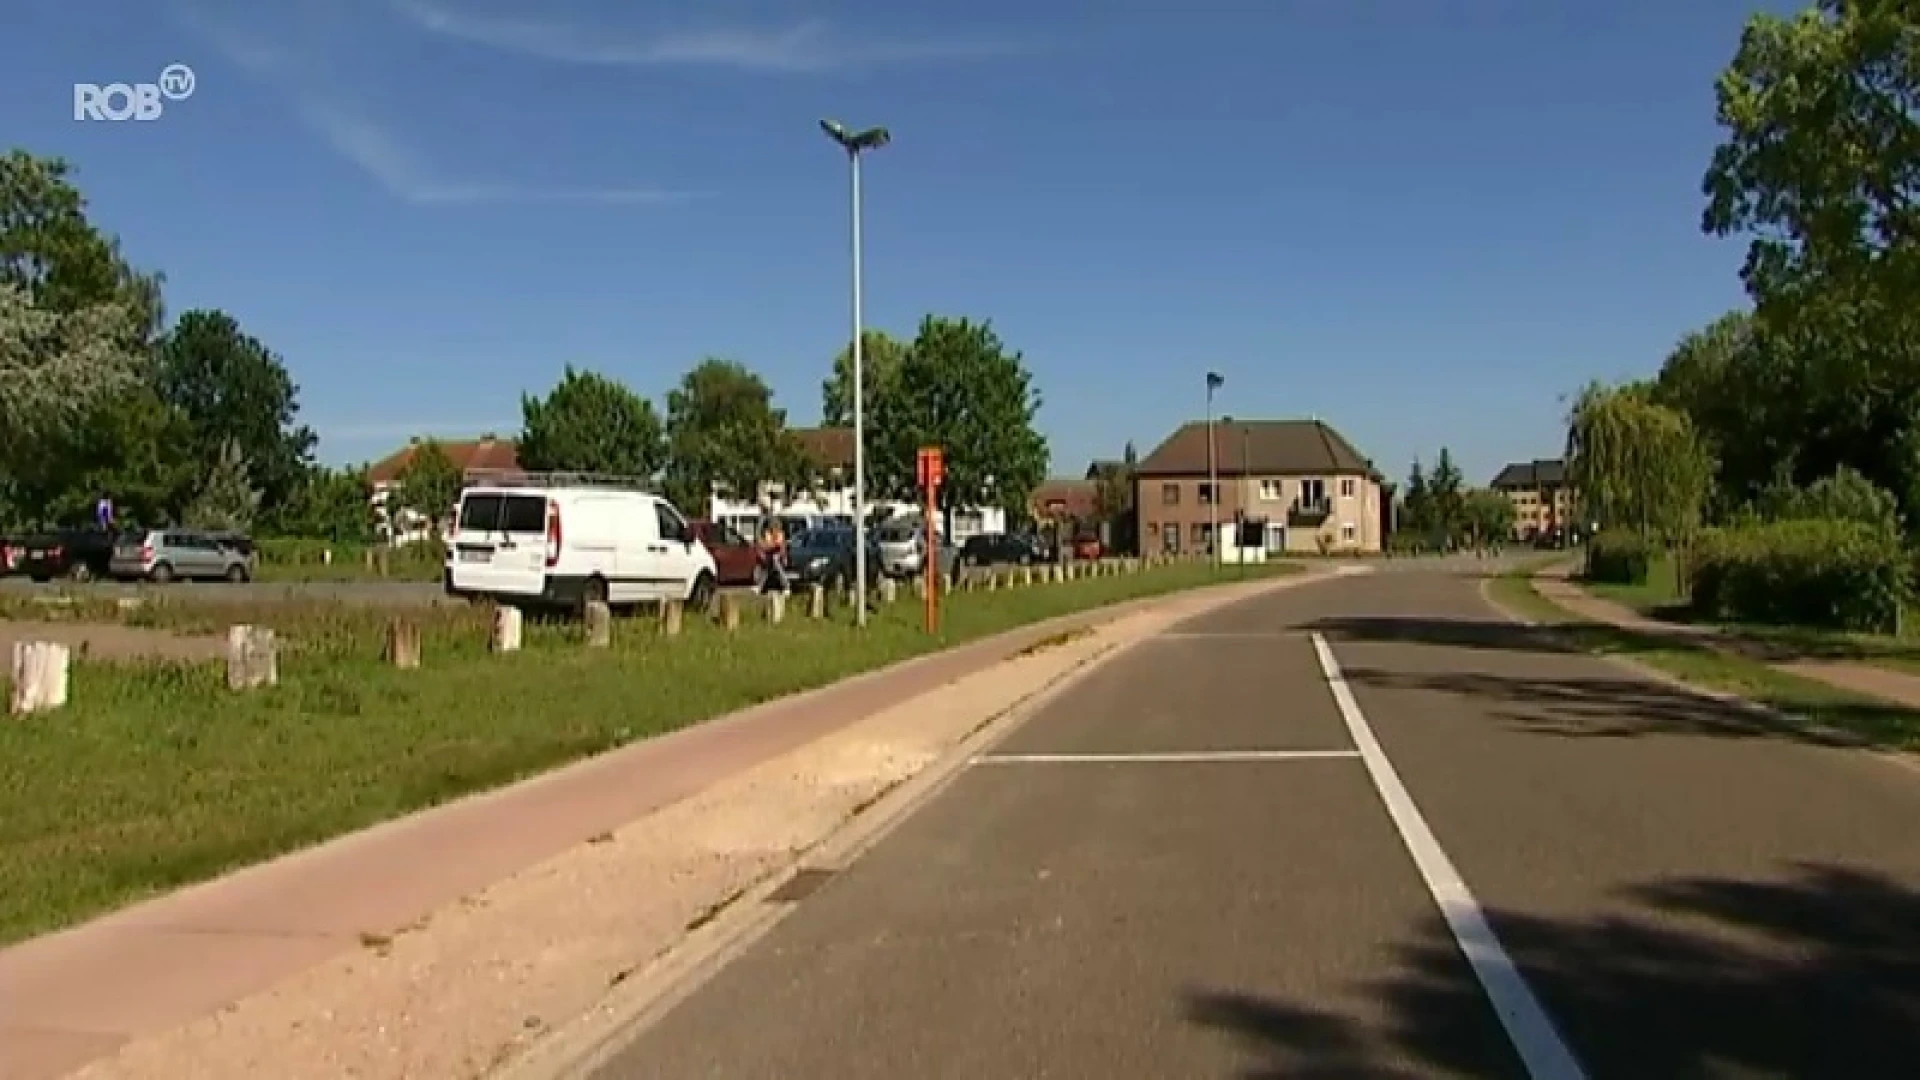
(178, 555)
(901, 547)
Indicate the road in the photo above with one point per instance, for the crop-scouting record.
(1651, 885)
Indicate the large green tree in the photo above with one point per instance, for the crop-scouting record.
(330, 504)
(961, 389)
(232, 389)
(130, 447)
(1636, 464)
(1819, 169)
(50, 249)
(723, 430)
(881, 355)
(590, 423)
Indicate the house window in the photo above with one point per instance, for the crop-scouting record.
(1206, 494)
(1170, 494)
(1170, 538)
(1347, 533)
(1346, 487)
(1202, 535)
(1313, 492)
(1276, 537)
(1270, 491)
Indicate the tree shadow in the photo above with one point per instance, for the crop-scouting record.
(1615, 708)
(1813, 976)
(1455, 633)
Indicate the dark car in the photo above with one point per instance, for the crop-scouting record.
(824, 555)
(1002, 549)
(735, 560)
(80, 554)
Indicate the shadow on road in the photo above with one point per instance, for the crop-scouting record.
(1817, 976)
(1459, 633)
(1602, 707)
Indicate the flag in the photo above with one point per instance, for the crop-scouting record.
(1215, 381)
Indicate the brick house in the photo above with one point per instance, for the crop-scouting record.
(1301, 481)
(479, 460)
(1542, 502)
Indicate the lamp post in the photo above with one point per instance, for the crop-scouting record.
(1214, 382)
(855, 143)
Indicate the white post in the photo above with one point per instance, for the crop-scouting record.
(859, 418)
(39, 676)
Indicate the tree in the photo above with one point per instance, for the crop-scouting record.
(55, 366)
(723, 431)
(880, 358)
(428, 484)
(1416, 514)
(233, 389)
(227, 500)
(1445, 495)
(330, 503)
(1636, 464)
(51, 251)
(961, 390)
(1844, 496)
(590, 423)
(1487, 516)
(130, 447)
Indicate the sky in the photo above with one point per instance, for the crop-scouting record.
(1422, 221)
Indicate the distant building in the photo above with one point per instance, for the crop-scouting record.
(480, 460)
(1542, 502)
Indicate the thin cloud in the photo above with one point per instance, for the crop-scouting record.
(808, 46)
(398, 168)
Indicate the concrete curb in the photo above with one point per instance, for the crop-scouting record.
(574, 1050)
(1779, 717)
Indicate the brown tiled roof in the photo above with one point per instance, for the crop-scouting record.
(1063, 498)
(1529, 475)
(826, 447)
(1265, 447)
(485, 456)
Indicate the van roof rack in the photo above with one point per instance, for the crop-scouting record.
(565, 480)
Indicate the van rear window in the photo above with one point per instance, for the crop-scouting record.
(503, 513)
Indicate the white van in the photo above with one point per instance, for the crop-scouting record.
(559, 545)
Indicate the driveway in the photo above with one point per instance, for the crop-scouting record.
(1363, 829)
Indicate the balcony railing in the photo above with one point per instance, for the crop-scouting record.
(1309, 514)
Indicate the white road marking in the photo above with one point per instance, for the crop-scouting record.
(1542, 1050)
(1229, 635)
(1170, 758)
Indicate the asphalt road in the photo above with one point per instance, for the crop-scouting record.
(1653, 885)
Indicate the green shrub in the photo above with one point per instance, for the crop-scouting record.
(1841, 574)
(1619, 557)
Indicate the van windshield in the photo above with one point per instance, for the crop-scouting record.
(503, 513)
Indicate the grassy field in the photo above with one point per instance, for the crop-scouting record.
(155, 775)
(1692, 662)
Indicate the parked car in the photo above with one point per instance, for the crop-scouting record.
(736, 561)
(80, 554)
(163, 555)
(565, 546)
(820, 556)
(1087, 546)
(1002, 549)
(902, 547)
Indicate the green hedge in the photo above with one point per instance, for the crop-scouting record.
(1845, 575)
(1619, 557)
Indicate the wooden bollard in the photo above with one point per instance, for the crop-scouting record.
(920, 587)
(993, 581)
(776, 607)
(730, 611)
(403, 644)
(599, 619)
(817, 602)
(326, 556)
(505, 634)
(252, 658)
(40, 676)
(671, 613)
(370, 558)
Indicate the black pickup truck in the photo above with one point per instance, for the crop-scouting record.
(80, 554)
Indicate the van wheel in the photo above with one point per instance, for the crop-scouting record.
(237, 574)
(593, 592)
(161, 573)
(701, 598)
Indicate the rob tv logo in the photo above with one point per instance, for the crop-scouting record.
(132, 101)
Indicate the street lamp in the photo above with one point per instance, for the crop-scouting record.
(1214, 382)
(855, 143)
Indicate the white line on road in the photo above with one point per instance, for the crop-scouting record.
(1170, 758)
(1214, 635)
(1528, 1027)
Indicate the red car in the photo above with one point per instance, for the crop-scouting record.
(1086, 546)
(736, 561)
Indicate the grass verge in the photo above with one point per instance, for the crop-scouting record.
(1691, 661)
(156, 776)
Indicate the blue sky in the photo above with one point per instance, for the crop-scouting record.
(1422, 220)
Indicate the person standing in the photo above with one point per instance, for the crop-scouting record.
(773, 557)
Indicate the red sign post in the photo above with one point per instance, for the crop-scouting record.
(931, 469)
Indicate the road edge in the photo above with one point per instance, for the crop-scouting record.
(575, 1050)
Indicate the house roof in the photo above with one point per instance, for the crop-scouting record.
(484, 455)
(1264, 447)
(1522, 475)
(1063, 496)
(826, 447)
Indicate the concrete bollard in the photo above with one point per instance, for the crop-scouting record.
(993, 581)
(252, 658)
(506, 632)
(729, 611)
(776, 607)
(672, 612)
(403, 644)
(1026, 575)
(889, 590)
(370, 558)
(817, 601)
(40, 676)
(599, 620)
(920, 587)
(326, 556)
